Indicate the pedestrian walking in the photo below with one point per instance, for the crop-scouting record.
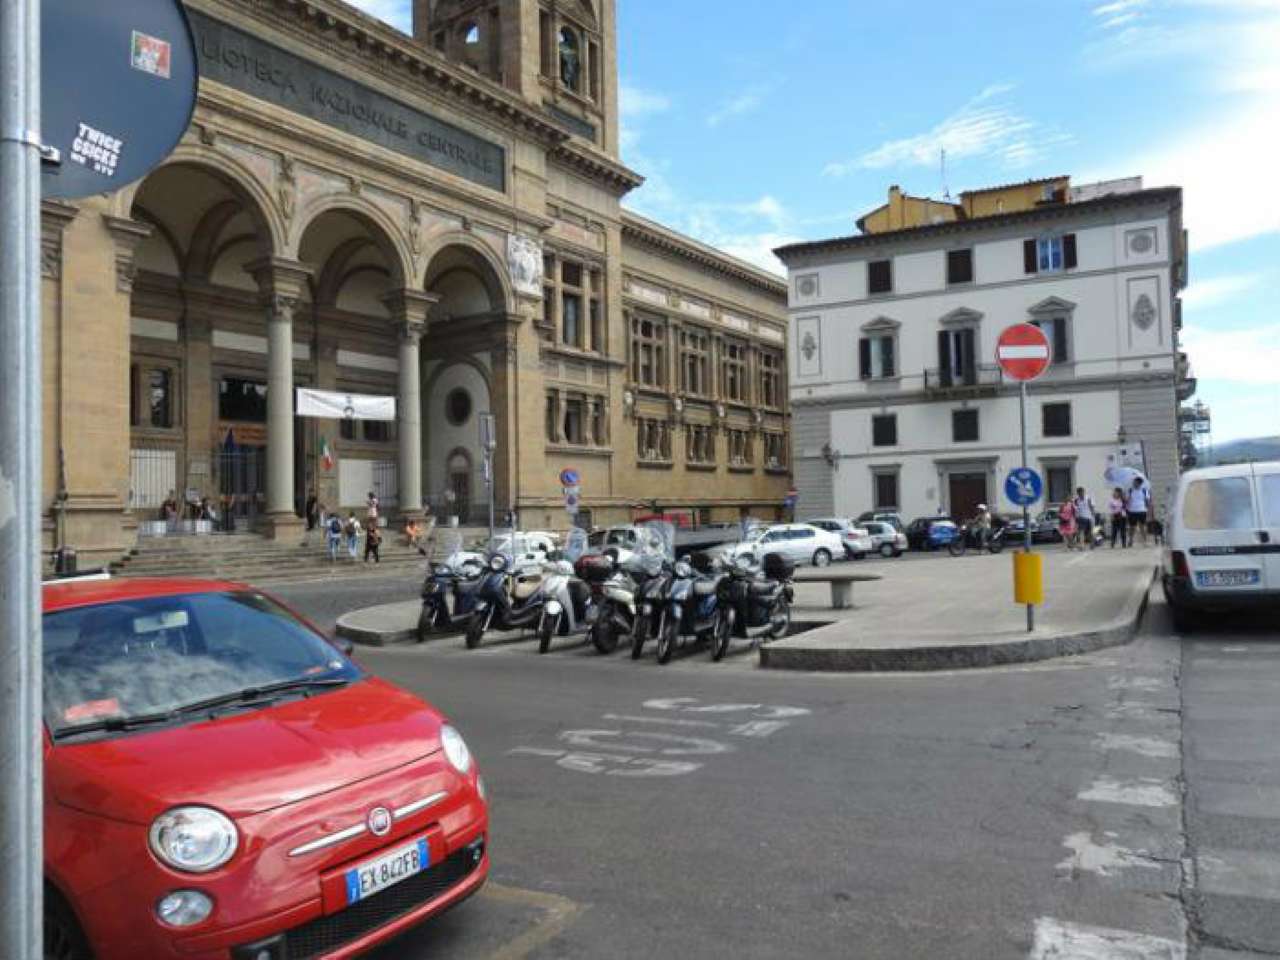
(1086, 516)
(372, 541)
(1138, 507)
(333, 536)
(1067, 523)
(352, 530)
(312, 511)
(1119, 521)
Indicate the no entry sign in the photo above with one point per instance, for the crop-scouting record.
(1023, 352)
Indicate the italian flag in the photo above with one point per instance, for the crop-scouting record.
(326, 455)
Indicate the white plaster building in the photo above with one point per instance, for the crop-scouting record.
(897, 399)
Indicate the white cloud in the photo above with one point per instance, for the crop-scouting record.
(635, 102)
(1203, 294)
(1245, 356)
(398, 13)
(746, 102)
(986, 126)
(1119, 12)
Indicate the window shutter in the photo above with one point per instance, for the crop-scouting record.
(1060, 340)
(864, 358)
(1029, 256)
(887, 358)
(969, 340)
(944, 357)
(1069, 251)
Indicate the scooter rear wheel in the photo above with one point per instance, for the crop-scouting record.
(720, 638)
(475, 630)
(958, 546)
(639, 634)
(604, 636)
(425, 621)
(667, 640)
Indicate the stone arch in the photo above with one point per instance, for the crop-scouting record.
(385, 231)
(465, 360)
(457, 250)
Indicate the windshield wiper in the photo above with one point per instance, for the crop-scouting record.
(114, 724)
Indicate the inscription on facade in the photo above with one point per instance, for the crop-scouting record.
(261, 70)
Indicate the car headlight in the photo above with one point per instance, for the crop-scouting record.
(455, 748)
(194, 839)
(184, 908)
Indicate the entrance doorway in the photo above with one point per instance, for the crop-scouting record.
(460, 485)
(967, 490)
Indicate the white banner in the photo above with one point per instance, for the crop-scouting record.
(344, 406)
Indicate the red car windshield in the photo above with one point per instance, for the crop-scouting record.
(148, 659)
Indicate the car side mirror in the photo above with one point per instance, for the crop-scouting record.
(344, 646)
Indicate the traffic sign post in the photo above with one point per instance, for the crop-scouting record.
(1022, 351)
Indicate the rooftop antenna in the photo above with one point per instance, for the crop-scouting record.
(946, 190)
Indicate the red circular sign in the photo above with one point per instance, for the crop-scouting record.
(1023, 352)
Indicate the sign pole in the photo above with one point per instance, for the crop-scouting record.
(1026, 509)
(21, 775)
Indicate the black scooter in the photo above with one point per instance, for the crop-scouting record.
(507, 600)
(449, 597)
(696, 607)
(758, 601)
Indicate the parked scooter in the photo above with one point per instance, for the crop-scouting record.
(968, 538)
(450, 590)
(758, 600)
(696, 607)
(568, 609)
(618, 579)
(511, 594)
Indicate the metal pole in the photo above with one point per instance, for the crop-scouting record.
(21, 787)
(488, 479)
(1026, 511)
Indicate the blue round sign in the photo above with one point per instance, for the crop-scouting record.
(569, 478)
(1023, 486)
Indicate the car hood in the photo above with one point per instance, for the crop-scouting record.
(249, 762)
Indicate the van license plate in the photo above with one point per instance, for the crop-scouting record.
(1226, 578)
(374, 876)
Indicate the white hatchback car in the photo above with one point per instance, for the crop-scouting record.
(1222, 541)
(885, 538)
(799, 543)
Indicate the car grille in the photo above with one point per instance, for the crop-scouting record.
(325, 934)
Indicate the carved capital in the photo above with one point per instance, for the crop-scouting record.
(127, 234)
(276, 276)
(409, 307)
(281, 308)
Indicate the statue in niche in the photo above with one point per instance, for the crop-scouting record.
(570, 59)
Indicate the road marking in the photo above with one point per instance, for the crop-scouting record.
(759, 728)
(685, 705)
(671, 721)
(1146, 746)
(1077, 560)
(560, 912)
(1239, 873)
(1103, 859)
(1137, 683)
(683, 746)
(1133, 708)
(1235, 649)
(611, 764)
(1056, 940)
(1144, 792)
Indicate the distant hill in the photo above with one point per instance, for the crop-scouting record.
(1242, 451)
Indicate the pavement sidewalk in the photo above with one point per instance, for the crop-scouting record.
(950, 612)
(926, 613)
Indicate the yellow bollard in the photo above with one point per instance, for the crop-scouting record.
(1028, 578)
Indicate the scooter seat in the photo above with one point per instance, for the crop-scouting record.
(705, 588)
(764, 588)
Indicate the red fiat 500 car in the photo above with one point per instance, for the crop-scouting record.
(222, 782)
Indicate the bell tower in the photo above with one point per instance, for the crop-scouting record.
(560, 54)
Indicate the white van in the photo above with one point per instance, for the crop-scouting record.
(1222, 541)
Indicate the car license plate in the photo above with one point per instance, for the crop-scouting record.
(387, 870)
(1226, 578)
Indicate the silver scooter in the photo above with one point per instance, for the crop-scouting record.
(569, 609)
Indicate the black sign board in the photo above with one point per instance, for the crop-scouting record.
(267, 72)
(118, 87)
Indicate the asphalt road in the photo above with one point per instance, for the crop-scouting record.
(714, 810)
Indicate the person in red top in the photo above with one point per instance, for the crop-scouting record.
(1067, 524)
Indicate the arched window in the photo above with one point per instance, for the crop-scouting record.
(570, 59)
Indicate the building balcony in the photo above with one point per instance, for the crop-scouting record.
(985, 380)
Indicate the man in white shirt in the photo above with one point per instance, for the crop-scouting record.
(1138, 506)
(1085, 516)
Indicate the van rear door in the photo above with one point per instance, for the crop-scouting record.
(1219, 532)
(1267, 476)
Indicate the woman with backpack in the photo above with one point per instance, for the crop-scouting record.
(333, 535)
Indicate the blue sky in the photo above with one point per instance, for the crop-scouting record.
(758, 123)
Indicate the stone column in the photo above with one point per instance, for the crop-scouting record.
(408, 309)
(282, 284)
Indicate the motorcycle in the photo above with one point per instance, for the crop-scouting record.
(511, 594)
(617, 580)
(696, 607)
(968, 537)
(568, 609)
(758, 600)
(450, 590)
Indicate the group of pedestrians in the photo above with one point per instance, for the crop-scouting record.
(346, 532)
(1128, 515)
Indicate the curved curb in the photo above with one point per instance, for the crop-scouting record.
(369, 636)
(966, 655)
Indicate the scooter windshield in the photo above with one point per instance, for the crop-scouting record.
(656, 541)
(575, 544)
(449, 549)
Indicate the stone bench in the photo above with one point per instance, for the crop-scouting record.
(841, 584)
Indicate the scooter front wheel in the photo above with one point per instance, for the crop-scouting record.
(996, 544)
(667, 639)
(957, 546)
(720, 638)
(426, 620)
(547, 631)
(639, 634)
(475, 630)
(603, 635)
(780, 620)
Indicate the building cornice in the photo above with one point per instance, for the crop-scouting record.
(796, 252)
(666, 240)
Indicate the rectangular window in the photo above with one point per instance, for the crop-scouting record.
(699, 445)
(597, 326)
(593, 64)
(886, 491)
(876, 359)
(160, 399)
(775, 451)
(1056, 419)
(1222, 504)
(739, 448)
(553, 432)
(244, 401)
(695, 362)
(1049, 254)
(347, 429)
(770, 379)
(546, 45)
(376, 431)
(957, 356)
(884, 430)
(648, 352)
(134, 386)
(880, 276)
(959, 266)
(597, 423)
(1055, 328)
(964, 426)
(735, 371)
(1059, 484)
(574, 424)
(571, 328)
(653, 440)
